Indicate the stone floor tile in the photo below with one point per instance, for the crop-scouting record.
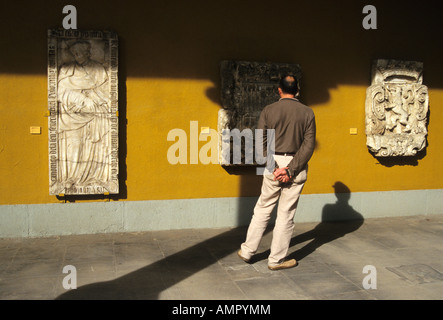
(271, 288)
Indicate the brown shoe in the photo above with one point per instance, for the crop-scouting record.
(284, 265)
(241, 257)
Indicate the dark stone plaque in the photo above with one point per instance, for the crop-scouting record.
(246, 88)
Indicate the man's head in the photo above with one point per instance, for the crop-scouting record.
(81, 50)
(288, 85)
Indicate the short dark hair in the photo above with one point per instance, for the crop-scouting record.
(289, 84)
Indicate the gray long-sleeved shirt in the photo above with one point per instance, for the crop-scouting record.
(294, 125)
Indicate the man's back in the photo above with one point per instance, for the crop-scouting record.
(293, 123)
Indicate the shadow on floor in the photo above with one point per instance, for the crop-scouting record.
(338, 219)
(148, 282)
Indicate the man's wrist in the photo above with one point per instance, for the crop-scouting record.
(288, 173)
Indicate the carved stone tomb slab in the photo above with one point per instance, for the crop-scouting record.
(83, 112)
(396, 109)
(246, 88)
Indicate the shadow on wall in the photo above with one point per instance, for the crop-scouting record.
(337, 220)
(148, 282)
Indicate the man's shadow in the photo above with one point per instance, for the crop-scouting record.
(337, 220)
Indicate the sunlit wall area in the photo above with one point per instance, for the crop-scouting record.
(169, 79)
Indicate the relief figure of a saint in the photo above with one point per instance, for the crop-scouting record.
(83, 102)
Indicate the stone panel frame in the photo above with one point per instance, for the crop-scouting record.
(396, 108)
(102, 73)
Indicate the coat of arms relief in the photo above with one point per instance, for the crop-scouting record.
(396, 109)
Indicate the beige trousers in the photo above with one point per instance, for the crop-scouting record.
(287, 196)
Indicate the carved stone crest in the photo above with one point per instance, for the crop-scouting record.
(396, 108)
(83, 112)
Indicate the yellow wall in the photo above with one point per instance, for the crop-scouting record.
(169, 75)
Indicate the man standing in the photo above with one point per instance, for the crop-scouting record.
(294, 128)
